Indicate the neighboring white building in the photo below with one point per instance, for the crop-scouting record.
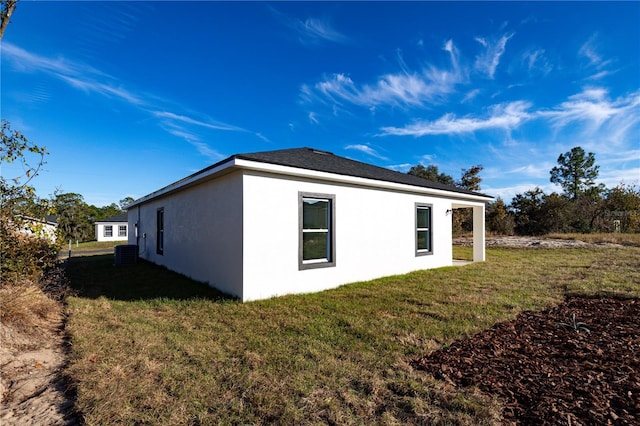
(297, 221)
(43, 228)
(115, 228)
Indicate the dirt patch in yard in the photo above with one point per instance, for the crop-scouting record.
(548, 369)
(31, 386)
(33, 355)
(533, 242)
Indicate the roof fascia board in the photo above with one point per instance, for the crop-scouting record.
(33, 219)
(334, 177)
(235, 163)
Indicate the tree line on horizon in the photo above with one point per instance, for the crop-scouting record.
(582, 207)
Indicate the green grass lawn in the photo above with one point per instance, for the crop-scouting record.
(151, 347)
(94, 245)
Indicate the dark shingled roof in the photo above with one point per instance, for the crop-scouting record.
(122, 217)
(323, 161)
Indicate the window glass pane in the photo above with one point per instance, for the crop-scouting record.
(315, 245)
(108, 231)
(423, 240)
(423, 217)
(160, 231)
(315, 214)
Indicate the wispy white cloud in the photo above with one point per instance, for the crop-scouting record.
(261, 136)
(470, 95)
(600, 75)
(90, 80)
(104, 89)
(536, 61)
(538, 170)
(619, 157)
(595, 109)
(612, 121)
(505, 117)
(313, 117)
(189, 120)
(595, 62)
(488, 61)
(367, 150)
(315, 30)
(589, 51)
(29, 62)
(507, 193)
(76, 74)
(193, 139)
(612, 178)
(403, 89)
(311, 30)
(404, 167)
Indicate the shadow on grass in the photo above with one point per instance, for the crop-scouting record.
(95, 276)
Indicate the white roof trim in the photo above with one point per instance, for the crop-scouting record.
(241, 164)
(375, 183)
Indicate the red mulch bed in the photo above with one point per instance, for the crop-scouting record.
(550, 374)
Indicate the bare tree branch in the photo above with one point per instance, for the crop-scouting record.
(8, 6)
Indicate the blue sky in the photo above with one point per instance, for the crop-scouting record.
(129, 97)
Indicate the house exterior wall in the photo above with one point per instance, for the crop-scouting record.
(40, 229)
(114, 226)
(202, 232)
(375, 234)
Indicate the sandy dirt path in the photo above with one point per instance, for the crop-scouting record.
(32, 390)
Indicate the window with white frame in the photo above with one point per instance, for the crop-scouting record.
(317, 231)
(122, 230)
(423, 229)
(108, 231)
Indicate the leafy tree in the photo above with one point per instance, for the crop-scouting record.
(470, 179)
(498, 218)
(431, 173)
(557, 214)
(537, 213)
(106, 212)
(125, 202)
(622, 204)
(16, 147)
(24, 256)
(576, 173)
(463, 218)
(527, 210)
(73, 216)
(76, 218)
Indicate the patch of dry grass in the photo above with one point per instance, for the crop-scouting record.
(600, 238)
(27, 316)
(163, 350)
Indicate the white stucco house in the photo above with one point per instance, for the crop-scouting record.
(46, 228)
(299, 220)
(115, 228)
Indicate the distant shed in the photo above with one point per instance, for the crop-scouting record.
(115, 228)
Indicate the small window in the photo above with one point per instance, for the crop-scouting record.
(317, 231)
(122, 230)
(108, 231)
(160, 231)
(423, 229)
